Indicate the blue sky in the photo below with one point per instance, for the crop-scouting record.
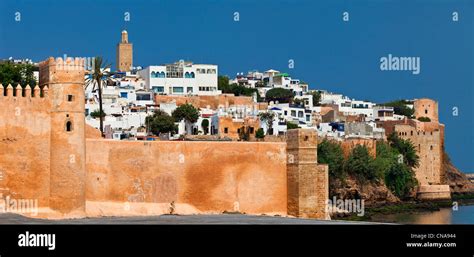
(328, 53)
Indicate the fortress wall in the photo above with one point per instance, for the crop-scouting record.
(203, 101)
(208, 177)
(24, 144)
(428, 145)
(350, 143)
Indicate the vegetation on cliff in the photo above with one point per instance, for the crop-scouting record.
(361, 175)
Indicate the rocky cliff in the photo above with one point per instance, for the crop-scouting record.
(456, 179)
(373, 193)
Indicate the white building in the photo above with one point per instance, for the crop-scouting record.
(181, 78)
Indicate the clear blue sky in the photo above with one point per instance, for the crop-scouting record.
(328, 53)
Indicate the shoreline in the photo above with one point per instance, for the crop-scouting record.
(408, 207)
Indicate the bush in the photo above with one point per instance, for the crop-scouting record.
(361, 165)
(424, 119)
(205, 125)
(406, 148)
(281, 95)
(400, 179)
(260, 133)
(330, 153)
(291, 125)
(400, 107)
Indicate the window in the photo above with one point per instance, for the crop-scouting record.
(68, 126)
(143, 97)
(158, 89)
(308, 118)
(285, 112)
(189, 89)
(178, 89)
(300, 114)
(251, 130)
(123, 94)
(70, 98)
(293, 113)
(226, 130)
(174, 71)
(426, 111)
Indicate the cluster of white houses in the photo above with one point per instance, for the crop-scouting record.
(130, 95)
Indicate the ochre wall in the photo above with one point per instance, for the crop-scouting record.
(24, 146)
(209, 176)
(426, 108)
(428, 145)
(350, 143)
(213, 102)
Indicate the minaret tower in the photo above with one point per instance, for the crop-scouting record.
(124, 53)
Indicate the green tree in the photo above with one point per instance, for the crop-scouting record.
(400, 107)
(291, 125)
(97, 114)
(97, 77)
(360, 164)
(160, 122)
(205, 125)
(17, 74)
(267, 118)
(222, 82)
(330, 153)
(260, 134)
(281, 95)
(186, 112)
(405, 148)
(316, 98)
(400, 179)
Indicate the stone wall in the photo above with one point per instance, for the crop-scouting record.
(428, 145)
(195, 177)
(214, 102)
(349, 144)
(308, 182)
(24, 144)
(45, 156)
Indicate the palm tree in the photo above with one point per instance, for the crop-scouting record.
(97, 76)
(267, 117)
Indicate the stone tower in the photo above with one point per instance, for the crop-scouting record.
(425, 107)
(65, 81)
(307, 182)
(124, 53)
